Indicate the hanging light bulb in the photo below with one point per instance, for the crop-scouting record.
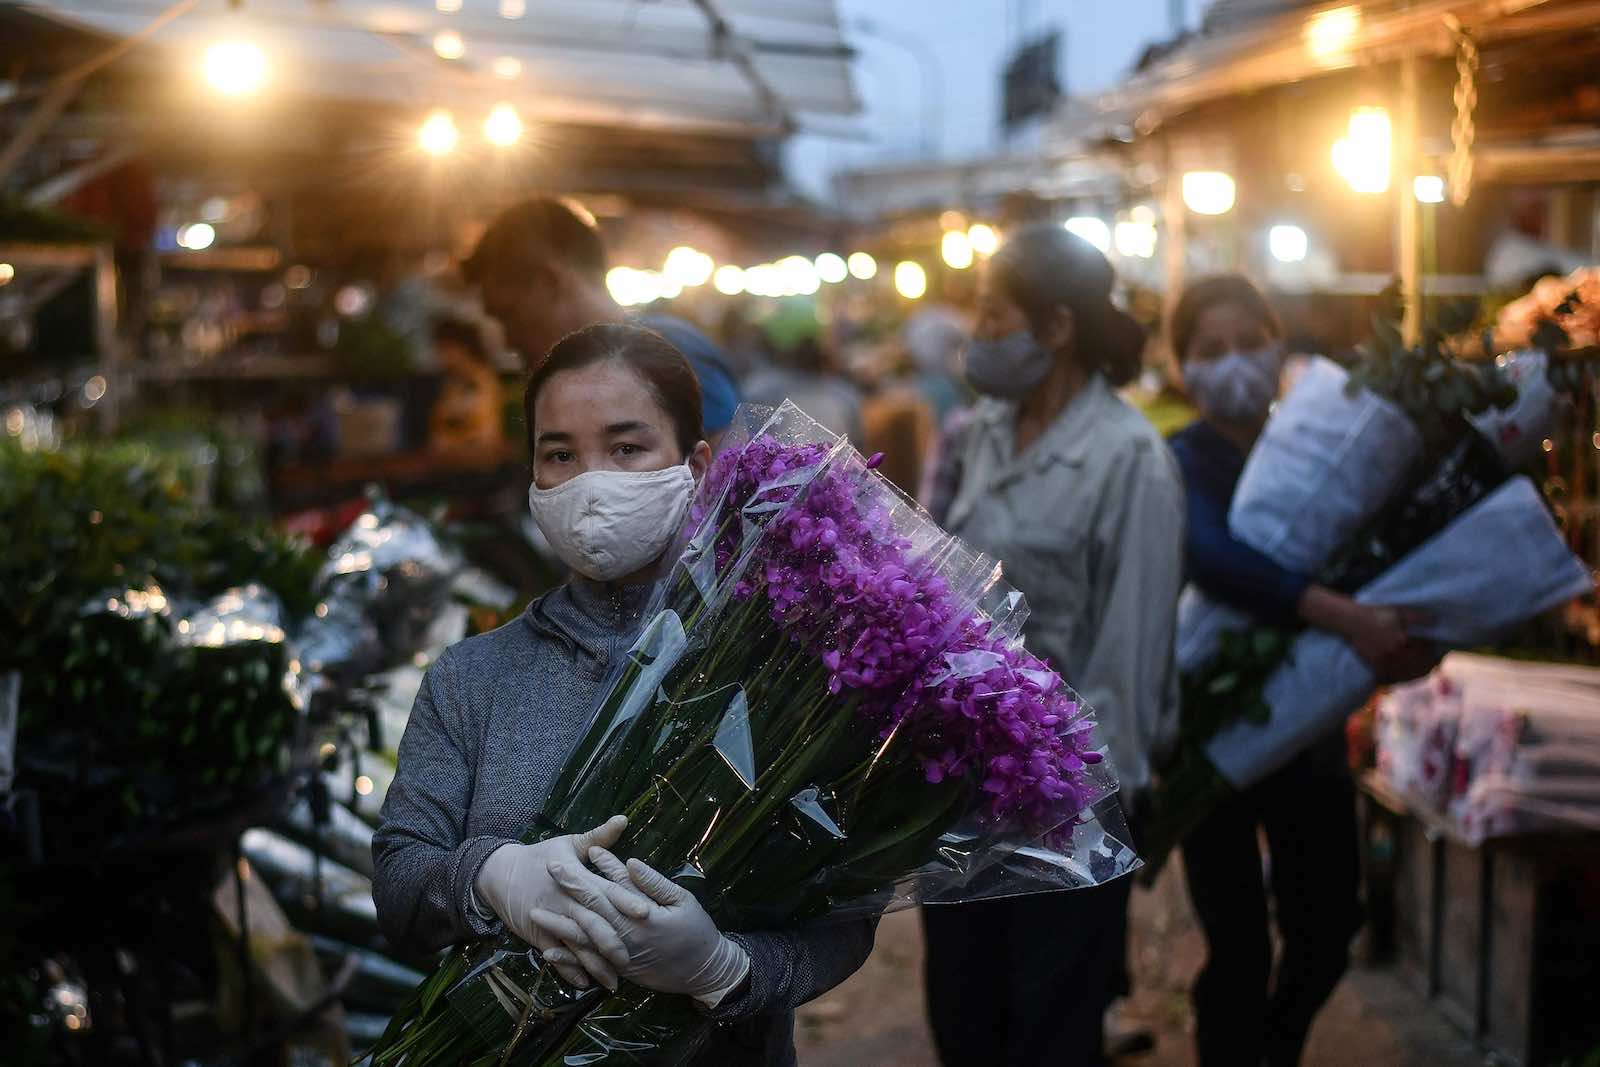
(831, 268)
(1362, 156)
(1208, 192)
(235, 68)
(438, 134)
(1288, 243)
(449, 45)
(956, 249)
(862, 265)
(910, 280)
(983, 238)
(503, 127)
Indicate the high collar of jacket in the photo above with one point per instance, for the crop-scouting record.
(1067, 439)
(590, 614)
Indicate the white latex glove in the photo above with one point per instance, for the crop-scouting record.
(516, 883)
(674, 948)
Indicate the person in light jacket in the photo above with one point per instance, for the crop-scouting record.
(614, 426)
(1078, 496)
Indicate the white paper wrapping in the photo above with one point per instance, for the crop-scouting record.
(1518, 431)
(1502, 561)
(1325, 465)
(1201, 624)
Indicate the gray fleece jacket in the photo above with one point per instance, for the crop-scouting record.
(491, 727)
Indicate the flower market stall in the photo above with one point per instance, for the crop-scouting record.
(1483, 821)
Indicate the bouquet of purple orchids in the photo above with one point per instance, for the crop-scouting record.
(828, 713)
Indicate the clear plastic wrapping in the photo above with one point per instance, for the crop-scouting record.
(828, 714)
(1496, 747)
(386, 580)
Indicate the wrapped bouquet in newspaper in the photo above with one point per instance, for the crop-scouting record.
(828, 713)
(1391, 483)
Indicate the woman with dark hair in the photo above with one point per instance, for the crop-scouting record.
(1074, 491)
(614, 430)
(1229, 350)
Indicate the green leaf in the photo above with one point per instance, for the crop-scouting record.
(1223, 683)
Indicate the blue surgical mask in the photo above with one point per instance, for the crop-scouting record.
(1008, 366)
(1237, 387)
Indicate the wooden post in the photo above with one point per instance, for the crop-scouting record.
(1175, 213)
(1403, 163)
(107, 339)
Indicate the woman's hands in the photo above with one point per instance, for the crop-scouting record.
(1380, 635)
(673, 947)
(517, 884)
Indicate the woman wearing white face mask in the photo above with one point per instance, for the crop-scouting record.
(614, 428)
(1077, 495)
(1229, 348)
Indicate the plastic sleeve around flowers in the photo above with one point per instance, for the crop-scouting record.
(829, 713)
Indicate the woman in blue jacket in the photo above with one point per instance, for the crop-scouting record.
(1229, 348)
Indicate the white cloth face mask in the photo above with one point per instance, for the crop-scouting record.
(608, 524)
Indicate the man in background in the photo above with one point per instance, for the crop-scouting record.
(541, 270)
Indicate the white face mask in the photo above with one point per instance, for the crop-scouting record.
(608, 524)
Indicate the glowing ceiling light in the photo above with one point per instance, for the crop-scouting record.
(1091, 229)
(513, 9)
(448, 7)
(1362, 156)
(687, 267)
(1208, 192)
(862, 265)
(235, 68)
(762, 280)
(449, 45)
(910, 280)
(956, 249)
(728, 280)
(7, 272)
(438, 134)
(1134, 238)
(798, 276)
(1287, 243)
(507, 67)
(1329, 35)
(623, 285)
(1428, 189)
(831, 268)
(983, 238)
(502, 126)
(196, 236)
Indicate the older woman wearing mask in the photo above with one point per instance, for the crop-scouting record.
(1077, 495)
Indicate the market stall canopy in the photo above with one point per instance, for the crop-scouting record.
(738, 67)
(1070, 173)
(1247, 45)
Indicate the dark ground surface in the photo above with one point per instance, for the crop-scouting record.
(1374, 1019)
